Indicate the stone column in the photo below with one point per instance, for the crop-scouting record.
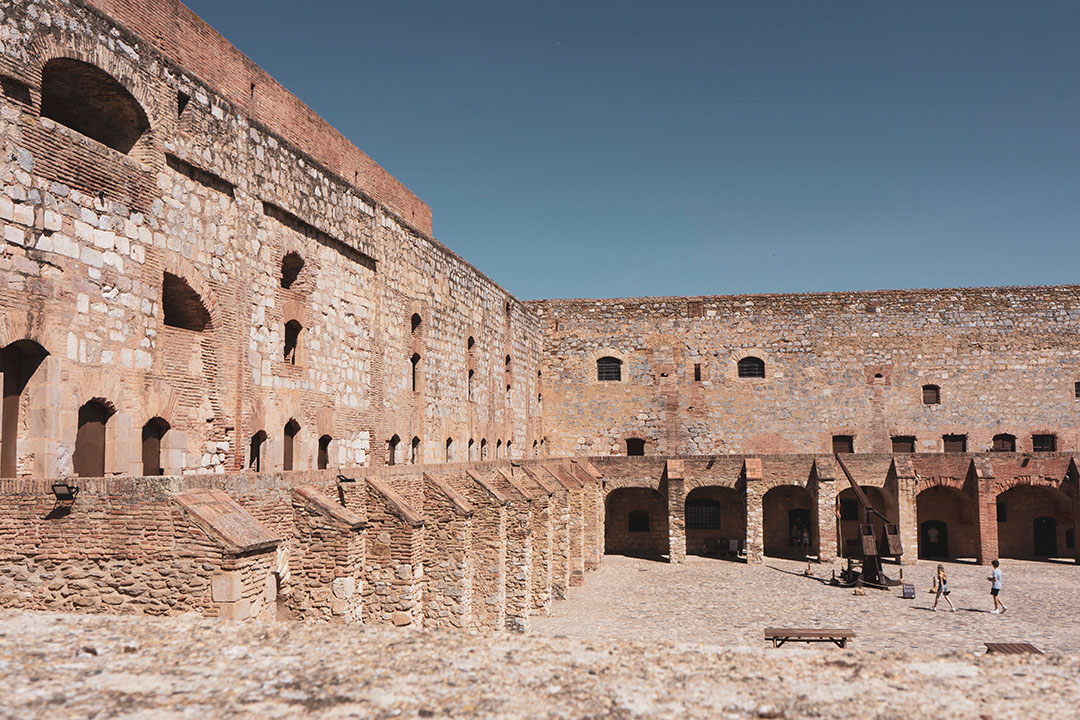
(981, 477)
(755, 510)
(676, 503)
(908, 517)
(826, 518)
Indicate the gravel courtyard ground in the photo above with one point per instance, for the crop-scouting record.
(641, 640)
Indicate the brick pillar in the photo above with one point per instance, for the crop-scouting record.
(676, 503)
(755, 510)
(907, 510)
(826, 519)
(981, 477)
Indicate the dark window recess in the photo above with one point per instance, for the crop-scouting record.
(931, 394)
(1076, 390)
(470, 344)
(703, 514)
(638, 521)
(182, 100)
(292, 341)
(449, 450)
(483, 448)
(306, 229)
(635, 446)
(697, 372)
(1002, 512)
(695, 308)
(849, 510)
(292, 429)
(414, 451)
(182, 306)
(843, 443)
(954, 443)
(392, 446)
(751, 367)
(90, 101)
(1004, 443)
(470, 386)
(609, 369)
(17, 90)
(1044, 443)
(255, 451)
(324, 452)
(291, 265)
(415, 323)
(903, 444)
(415, 360)
(89, 456)
(152, 434)
(18, 361)
(204, 178)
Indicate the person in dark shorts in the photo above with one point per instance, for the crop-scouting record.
(995, 589)
(942, 589)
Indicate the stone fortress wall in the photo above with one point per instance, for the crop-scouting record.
(280, 396)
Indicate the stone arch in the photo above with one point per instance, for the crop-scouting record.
(619, 538)
(731, 364)
(788, 511)
(849, 520)
(948, 521)
(1021, 507)
(594, 357)
(19, 361)
(183, 268)
(715, 515)
(87, 99)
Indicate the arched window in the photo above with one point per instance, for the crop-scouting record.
(89, 456)
(751, 367)
(638, 521)
(291, 265)
(182, 306)
(470, 388)
(292, 428)
(18, 362)
(414, 451)
(609, 369)
(539, 403)
(635, 446)
(498, 449)
(536, 448)
(931, 394)
(483, 448)
(1004, 442)
(509, 443)
(152, 433)
(507, 363)
(293, 330)
(415, 322)
(415, 360)
(255, 450)
(392, 450)
(90, 101)
(472, 449)
(507, 394)
(449, 450)
(323, 461)
(702, 514)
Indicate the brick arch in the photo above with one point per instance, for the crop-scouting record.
(735, 484)
(294, 243)
(294, 310)
(592, 358)
(64, 45)
(38, 327)
(926, 483)
(186, 270)
(730, 362)
(1003, 485)
(160, 400)
(611, 485)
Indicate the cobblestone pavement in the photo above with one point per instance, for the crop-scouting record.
(135, 667)
(730, 603)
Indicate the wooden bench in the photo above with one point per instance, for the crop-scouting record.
(779, 636)
(1012, 649)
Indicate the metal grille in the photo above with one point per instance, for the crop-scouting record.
(609, 369)
(751, 367)
(1044, 443)
(702, 514)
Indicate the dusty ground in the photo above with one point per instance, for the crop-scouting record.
(631, 656)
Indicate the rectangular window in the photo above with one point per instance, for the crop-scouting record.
(931, 395)
(954, 443)
(695, 308)
(1044, 443)
(697, 372)
(903, 444)
(843, 443)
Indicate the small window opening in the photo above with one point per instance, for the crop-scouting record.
(697, 372)
(152, 433)
(507, 363)
(483, 449)
(18, 362)
(449, 450)
(471, 344)
(291, 265)
(292, 428)
(498, 449)
(507, 394)
(92, 102)
(415, 323)
(1044, 443)
(292, 341)
(751, 367)
(414, 451)
(415, 360)
(695, 308)
(89, 456)
(182, 306)
(1076, 390)
(637, 521)
(470, 388)
(931, 395)
(1004, 442)
(472, 449)
(635, 446)
(903, 444)
(255, 450)
(182, 100)
(392, 450)
(609, 369)
(509, 444)
(954, 443)
(843, 443)
(323, 461)
(536, 448)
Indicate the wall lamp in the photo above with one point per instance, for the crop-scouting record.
(65, 493)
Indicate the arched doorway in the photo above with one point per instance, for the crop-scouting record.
(847, 542)
(948, 526)
(1033, 522)
(789, 516)
(636, 522)
(715, 516)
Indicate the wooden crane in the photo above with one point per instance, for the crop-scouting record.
(878, 539)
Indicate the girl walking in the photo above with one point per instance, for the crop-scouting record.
(942, 589)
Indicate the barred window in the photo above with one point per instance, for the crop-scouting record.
(751, 367)
(703, 514)
(609, 369)
(1004, 443)
(1044, 443)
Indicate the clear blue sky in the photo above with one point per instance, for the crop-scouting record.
(623, 148)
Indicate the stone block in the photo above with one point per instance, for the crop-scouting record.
(401, 618)
(239, 610)
(225, 587)
(344, 587)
